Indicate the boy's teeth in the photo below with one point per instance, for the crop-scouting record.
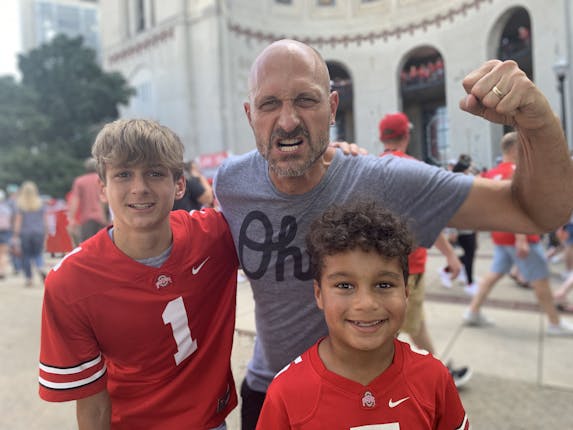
(141, 205)
(365, 324)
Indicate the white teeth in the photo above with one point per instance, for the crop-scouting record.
(367, 324)
(288, 148)
(289, 145)
(141, 205)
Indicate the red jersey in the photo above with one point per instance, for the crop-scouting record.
(415, 392)
(417, 259)
(504, 171)
(159, 339)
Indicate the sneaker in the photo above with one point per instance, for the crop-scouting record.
(445, 278)
(462, 277)
(460, 375)
(471, 289)
(564, 328)
(476, 319)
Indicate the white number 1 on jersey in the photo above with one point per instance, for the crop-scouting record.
(176, 315)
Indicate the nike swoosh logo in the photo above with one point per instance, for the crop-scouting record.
(195, 270)
(397, 402)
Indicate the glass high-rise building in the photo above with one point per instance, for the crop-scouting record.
(42, 20)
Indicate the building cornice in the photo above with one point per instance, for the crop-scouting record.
(372, 36)
(146, 43)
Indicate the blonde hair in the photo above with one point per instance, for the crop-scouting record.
(28, 197)
(508, 141)
(134, 142)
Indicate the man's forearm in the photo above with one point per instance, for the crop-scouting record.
(543, 180)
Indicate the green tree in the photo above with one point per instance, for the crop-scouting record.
(73, 90)
(21, 123)
(52, 172)
(49, 120)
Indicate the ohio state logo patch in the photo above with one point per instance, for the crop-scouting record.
(368, 400)
(162, 281)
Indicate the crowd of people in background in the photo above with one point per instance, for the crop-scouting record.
(421, 73)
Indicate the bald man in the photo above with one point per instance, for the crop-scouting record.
(270, 196)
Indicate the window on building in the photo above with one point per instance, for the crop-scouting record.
(140, 15)
(152, 12)
(283, 1)
(325, 2)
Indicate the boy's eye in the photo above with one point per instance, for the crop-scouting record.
(384, 285)
(344, 285)
(156, 173)
(123, 174)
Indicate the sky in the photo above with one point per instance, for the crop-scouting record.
(9, 36)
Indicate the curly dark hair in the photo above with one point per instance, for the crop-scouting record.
(362, 225)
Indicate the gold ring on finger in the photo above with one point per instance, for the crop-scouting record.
(497, 92)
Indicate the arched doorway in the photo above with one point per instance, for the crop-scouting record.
(422, 90)
(515, 42)
(510, 39)
(341, 82)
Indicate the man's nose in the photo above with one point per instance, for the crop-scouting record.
(288, 116)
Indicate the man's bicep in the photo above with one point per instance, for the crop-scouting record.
(490, 206)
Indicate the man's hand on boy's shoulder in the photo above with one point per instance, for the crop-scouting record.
(349, 148)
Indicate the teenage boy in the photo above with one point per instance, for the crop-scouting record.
(138, 321)
(360, 375)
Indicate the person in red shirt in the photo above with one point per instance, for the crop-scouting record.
(360, 375)
(87, 213)
(138, 321)
(395, 136)
(521, 250)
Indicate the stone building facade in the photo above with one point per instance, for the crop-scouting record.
(189, 61)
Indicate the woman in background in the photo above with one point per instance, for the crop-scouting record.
(30, 229)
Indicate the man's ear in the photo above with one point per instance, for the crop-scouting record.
(318, 294)
(333, 101)
(247, 107)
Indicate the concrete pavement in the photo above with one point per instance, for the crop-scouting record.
(522, 378)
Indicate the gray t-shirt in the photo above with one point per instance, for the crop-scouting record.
(269, 230)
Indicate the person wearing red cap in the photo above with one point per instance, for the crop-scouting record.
(395, 127)
(395, 136)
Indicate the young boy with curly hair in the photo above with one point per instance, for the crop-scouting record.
(360, 375)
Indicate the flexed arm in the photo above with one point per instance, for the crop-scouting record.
(540, 196)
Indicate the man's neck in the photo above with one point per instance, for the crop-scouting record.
(391, 147)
